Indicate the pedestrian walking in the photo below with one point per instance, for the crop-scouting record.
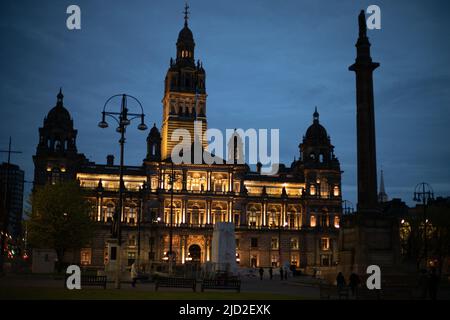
(270, 273)
(261, 273)
(281, 273)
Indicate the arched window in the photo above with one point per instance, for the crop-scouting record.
(312, 221)
(336, 191)
(131, 216)
(336, 222)
(273, 218)
(252, 217)
(58, 145)
(321, 158)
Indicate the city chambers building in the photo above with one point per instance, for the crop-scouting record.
(291, 217)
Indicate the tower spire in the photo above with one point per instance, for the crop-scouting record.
(59, 98)
(362, 24)
(186, 14)
(316, 115)
(382, 195)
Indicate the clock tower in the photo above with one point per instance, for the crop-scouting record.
(184, 100)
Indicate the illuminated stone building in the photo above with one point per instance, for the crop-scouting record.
(291, 217)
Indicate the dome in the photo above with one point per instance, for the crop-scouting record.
(185, 35)
(59, 114)
(316, 133)
(154, 132)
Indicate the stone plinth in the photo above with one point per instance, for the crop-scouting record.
(223, 247)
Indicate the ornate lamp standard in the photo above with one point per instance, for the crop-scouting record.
(123, 120)
(424, 193)
(171, 257)
(347, 207)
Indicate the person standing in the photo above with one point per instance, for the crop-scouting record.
(354, 282)
(261, 273)
(271, 273)
(134, 274)
(340, 281)
(281, 273)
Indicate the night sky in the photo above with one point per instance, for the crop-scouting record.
(268, 64)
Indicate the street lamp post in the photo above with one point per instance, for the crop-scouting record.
(143, 191)
(170, 253)
(424, 193)
(123, 120)
(347, 207)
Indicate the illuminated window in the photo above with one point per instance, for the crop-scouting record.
(252, 218)
(109, 212)
(336, 191)
(254, 261)
(292, 219)
(274, 260)
(312, 190)
(336, 222)
(312, 221)
(273, 218)
(294, 243)
(131, 216)
(325, 244)
(85, 256)
(294, 260)
(131, 257)
(274, 243)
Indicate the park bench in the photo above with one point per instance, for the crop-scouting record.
(175, 283)
(221, 284)
(90, 280)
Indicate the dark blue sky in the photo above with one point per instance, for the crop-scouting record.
(268, 64)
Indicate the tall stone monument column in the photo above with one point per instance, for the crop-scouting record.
(368, 237)
(365, 121)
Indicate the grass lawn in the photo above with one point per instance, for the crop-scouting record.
(37, 293)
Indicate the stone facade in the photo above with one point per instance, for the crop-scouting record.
(291, 217)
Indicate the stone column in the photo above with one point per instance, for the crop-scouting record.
(183, 209)
(365, 121)
(208, 211)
